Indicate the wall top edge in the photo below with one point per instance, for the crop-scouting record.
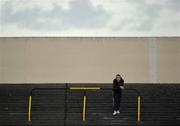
(79, 83)
(89, 36)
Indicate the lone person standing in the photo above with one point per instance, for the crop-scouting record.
(118, 86)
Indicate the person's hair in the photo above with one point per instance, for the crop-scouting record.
(118, 75)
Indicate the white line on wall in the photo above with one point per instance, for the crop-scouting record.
(152, 60)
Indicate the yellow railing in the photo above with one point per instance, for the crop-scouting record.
(29, 109)
(84, 98)
(84, 109)
(85, 101)
(85, 88)
(139, 109)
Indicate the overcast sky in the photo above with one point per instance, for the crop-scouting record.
(89, 17)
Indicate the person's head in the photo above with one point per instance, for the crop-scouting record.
(118, 77)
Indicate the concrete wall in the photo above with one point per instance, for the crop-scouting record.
(168, 60)
(14, 60)
(87, 60)
(1, 61)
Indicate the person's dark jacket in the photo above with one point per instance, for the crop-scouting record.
(116, 84)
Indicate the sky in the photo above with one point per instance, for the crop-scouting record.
(89, 18)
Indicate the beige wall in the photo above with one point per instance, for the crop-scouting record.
(1, 61)
(86, 60)
(14, 60)
(168, 60)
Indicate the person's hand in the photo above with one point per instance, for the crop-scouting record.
(122, 87)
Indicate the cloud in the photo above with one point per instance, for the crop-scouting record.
(173, 4)
(141, 16)
(90, 17)
(81, 14)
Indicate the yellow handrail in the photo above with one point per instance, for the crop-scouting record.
(84, 109)
(29, 110)
(85, 88)
(139, 109)
(84, 103)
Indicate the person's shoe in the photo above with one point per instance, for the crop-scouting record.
(114, 113)
(118, 112)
